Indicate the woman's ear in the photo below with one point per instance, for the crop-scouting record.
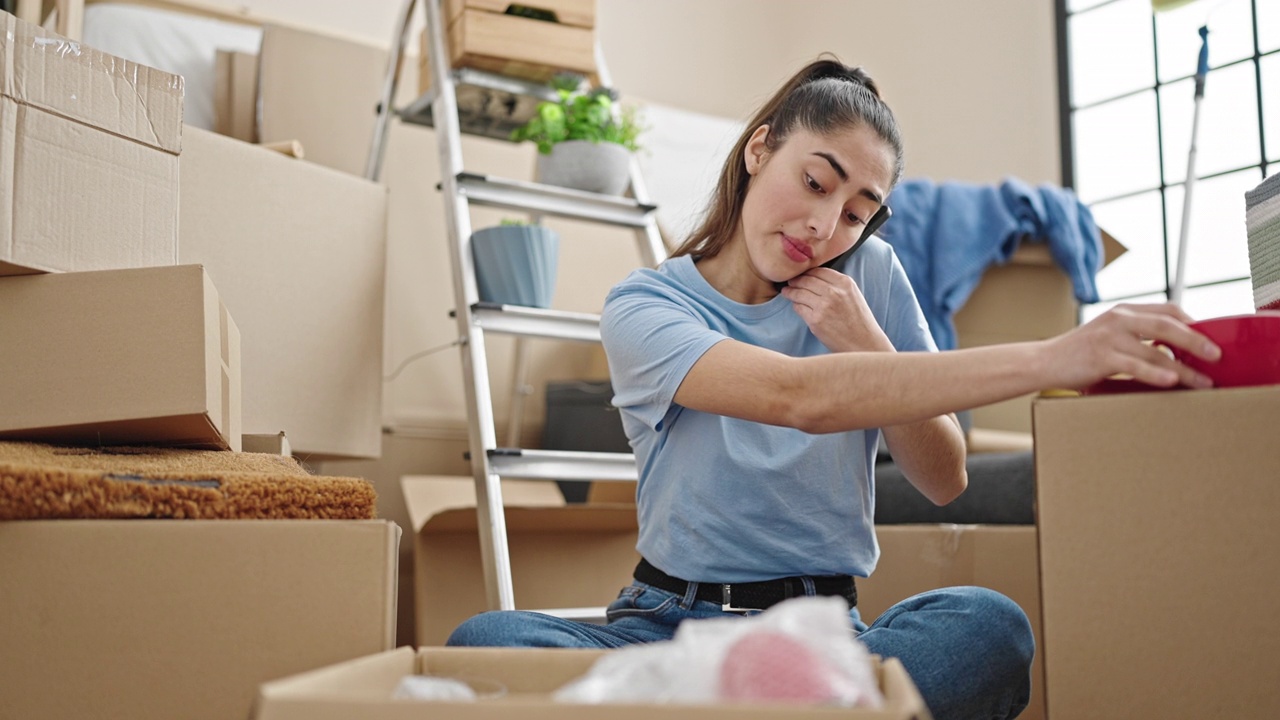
(756, 149)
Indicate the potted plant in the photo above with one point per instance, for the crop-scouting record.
(585, 139)
(516, 263)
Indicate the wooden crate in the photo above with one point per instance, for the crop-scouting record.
(516, 46)
(579, 13)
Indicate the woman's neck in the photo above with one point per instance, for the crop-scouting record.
(731, 273)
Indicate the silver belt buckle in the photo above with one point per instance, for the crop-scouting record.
(726, 604)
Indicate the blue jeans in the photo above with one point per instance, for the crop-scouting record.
(967, 649)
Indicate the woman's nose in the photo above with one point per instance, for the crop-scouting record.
(823, 220)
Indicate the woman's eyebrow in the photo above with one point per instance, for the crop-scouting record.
(844, 176)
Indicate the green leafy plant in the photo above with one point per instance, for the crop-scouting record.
(580, 115)
(512, 222)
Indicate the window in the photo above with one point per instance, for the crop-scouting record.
(1127, 89)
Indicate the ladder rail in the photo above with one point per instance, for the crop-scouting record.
(377, 149)
(491, 519)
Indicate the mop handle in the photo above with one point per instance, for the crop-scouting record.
(1202, 69)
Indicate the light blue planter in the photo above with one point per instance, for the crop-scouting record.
(516, 264)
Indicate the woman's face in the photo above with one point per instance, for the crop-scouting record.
(810, 199)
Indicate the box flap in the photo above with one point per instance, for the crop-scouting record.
(365, 675)
(50, 72)
(1037, 253)
(426, 496)
(599, 518)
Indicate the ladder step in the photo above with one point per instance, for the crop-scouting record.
(489, 105)
(595, 615)
(562, 464)
(552, 200)
(536, 322)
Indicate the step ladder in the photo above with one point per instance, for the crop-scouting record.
(481, 103)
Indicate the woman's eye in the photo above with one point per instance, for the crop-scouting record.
(853, 219)
(813, 184)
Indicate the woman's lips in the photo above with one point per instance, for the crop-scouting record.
(796, 250)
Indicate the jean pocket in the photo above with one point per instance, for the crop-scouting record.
(641, 601)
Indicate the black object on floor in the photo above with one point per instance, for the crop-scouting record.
(581, 416)
(1002, 491)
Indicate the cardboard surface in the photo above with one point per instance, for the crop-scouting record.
(321, 90)
(88, 156)
(235, 95)
(300, 256)
(362, 688)
(1030, 298)
(164, 619)
(561, 557)
(1158, 539)
(917, 558)
(118, 357)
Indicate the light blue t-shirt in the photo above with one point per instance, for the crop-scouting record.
(728, 500)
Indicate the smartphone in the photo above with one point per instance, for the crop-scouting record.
(878, 219)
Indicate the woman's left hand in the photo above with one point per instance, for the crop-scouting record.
(833, 307)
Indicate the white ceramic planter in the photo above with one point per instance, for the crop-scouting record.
(516, 264)
(582, 165)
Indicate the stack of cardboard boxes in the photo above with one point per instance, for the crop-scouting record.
(121, 325)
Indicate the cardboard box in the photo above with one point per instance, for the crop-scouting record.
(300, 256)
(148, 356)
(916, 558)
(362, 689)
(88, 156)
(511, 45)
(1028, 299)
(165, 619)
(579, 13)
(1158, 538)
(561, 557)
(235, 95)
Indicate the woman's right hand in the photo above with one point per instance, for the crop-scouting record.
(1116, 342)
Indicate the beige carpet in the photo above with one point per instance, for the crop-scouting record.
(40, 481)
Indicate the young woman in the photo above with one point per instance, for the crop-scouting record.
(754, 383)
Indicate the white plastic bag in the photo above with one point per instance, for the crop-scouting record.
(801, 650)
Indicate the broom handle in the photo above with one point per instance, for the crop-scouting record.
(1202, 69)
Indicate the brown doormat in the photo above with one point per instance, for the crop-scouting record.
(40, 481)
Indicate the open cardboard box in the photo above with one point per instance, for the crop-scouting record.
(362, 689)
(1158, 541)
(163, 619)
(561, 556)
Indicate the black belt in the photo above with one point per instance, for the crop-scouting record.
(741, 597)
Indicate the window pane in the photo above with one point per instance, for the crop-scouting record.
(1268, 25)
(1228, 135)
(1078, 5)
(1271, 104)
(1218, 246)
(1089, 312)
(1116, 149)
(1178, 37)
(1219, 300)
(1111, 51)
(1136, 222)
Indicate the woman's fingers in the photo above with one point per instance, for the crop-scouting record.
(1165, 324)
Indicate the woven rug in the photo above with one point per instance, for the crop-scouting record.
(40, 481)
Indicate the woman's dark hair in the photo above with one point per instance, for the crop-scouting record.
(823, 97)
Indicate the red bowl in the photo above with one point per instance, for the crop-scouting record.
(1250, 349)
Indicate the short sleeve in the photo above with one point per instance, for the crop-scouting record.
(651, 338)
(906, 325)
